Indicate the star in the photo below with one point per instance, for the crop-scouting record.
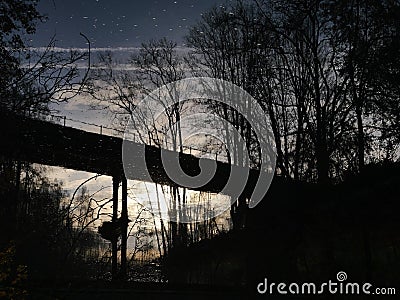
(156, 19)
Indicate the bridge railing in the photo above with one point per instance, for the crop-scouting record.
(109, 131)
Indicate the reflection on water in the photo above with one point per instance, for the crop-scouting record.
(151, 235)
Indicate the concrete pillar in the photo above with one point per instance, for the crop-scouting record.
(114, 258)
(124, 227)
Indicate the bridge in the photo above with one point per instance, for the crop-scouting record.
(38, 141)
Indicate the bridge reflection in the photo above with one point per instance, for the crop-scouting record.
(38, 141)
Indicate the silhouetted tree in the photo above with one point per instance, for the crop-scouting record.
(369, 36)
(17, 18)
(311, 65)
(32, 78)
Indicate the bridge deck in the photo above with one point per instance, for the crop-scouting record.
(51, 144)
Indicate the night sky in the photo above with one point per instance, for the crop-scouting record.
(117, 23)
(110, 24)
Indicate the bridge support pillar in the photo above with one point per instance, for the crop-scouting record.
(124, 227)
(114, 242)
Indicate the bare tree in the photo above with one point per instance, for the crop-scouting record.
(156, 65)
